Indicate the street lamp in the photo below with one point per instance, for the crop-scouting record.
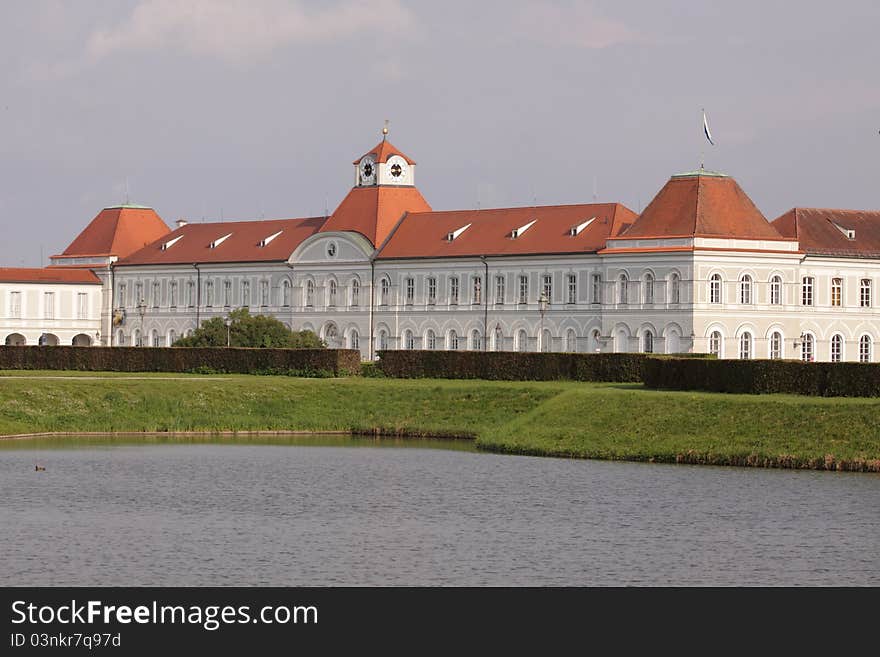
(228, 324)
(542, 306)
(142, 310)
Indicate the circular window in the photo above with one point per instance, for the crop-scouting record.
(331, 249)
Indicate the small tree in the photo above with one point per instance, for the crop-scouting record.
(246, 330)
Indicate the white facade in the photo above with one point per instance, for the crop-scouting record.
(44, 313)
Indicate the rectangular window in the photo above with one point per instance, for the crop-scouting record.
(499, 289)
(15, 304)
(836, 291)
(355, 293)
(865, 293)
(173, 294)
(82, 305)
(478, 290)
(807, 291)
(49, 305)
(432, 290)
(572, 288)
(156, 292)
(209, 294)
(410, 290)
(139, 294)
(264, 293)
(523, 288)
(227, 293)
(245, 293)
(120, 302)
(190, 294)
(597, 288)
(453, 291)
(547, 287)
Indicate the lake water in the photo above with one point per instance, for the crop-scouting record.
(297, 511)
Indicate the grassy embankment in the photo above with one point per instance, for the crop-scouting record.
(554, 418)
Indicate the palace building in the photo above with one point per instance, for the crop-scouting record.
(699, 270)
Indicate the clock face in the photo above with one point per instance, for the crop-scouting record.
(368, 171)
(397, 169)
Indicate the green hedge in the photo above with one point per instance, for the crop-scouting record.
(511, 366)
(181, 359)
(764, 376)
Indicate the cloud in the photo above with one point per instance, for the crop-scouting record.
(576, 25)
(242, 30)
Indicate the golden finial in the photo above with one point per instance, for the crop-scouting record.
(385, 129)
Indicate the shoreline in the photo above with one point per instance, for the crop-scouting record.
(561, 419)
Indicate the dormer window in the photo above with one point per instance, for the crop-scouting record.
(217, 242)
(576, 230)
(171, 242)
(265, 241)
(517, 232)
(450, 237)
(849, 233)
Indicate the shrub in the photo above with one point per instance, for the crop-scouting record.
(201, 360)
(764, 376)
(510, 366)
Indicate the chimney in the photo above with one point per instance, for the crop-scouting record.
(181, 223)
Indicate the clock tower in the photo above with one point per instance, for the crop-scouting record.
(384, 165)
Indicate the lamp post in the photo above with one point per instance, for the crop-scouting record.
(228, 324)
(542, 306)
(142, 310)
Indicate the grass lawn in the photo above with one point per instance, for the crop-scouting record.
(608, 421)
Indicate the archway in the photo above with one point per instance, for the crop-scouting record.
(49, 340)
(15, 340)
(81, 340)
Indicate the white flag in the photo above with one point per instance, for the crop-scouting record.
(706, 129)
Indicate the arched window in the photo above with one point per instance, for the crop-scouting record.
(384, 291)
(409, 342)
(675, 289)
(499, 339)
(155, 340)
(745, 289)
(622, 289)
(865, 349)
(596, 341)
(354, 339)
(136, 338)
(546, 341)
(453, 340)
(331, 294)
(776, 345)
(836, 348)
(172, 336)
(355, 292)
(648, 342)
(430, 340)
(745, 346)
(649, 288)
(285, 293)
(715, 343)
(331, 335)
(776, 290)
(310, 293)
(120, 338)
(522, 340)
(383, 339)
(476, 340)
(808, 348)
(715, 288)
(570, 340)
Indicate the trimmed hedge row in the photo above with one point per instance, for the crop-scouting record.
(511, 366)
(764, 376)
(181, 359)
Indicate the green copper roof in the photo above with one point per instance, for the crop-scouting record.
(701, 172)
(130, 206)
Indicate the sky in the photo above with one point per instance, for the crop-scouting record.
(242, 109)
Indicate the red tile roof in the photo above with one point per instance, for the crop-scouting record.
(242, 245)
(48, 275)
(382, 151)
(821, 231)
(374, 211)
(118, 231)
(702, 205)
(424, 234)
